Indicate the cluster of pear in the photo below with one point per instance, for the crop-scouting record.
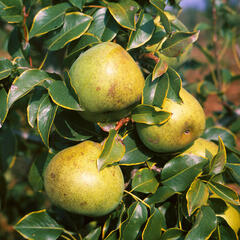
(109, 84)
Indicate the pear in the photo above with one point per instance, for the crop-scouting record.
(203, 148)
(186, 124)
(73, 182)
(107, 81)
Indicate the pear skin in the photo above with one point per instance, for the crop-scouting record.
(73, 182)
(106, 80)
(186, 124)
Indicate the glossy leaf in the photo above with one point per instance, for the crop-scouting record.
(25, 83)
(144, 181)
(152, 229)
(75, 25)
(8, 148)
(155, 92)
(5, 68)
(45, 117)
(217, 163)
(124, 12)
(173, 234)
(104, 27)
(34, 102)
(224, 192)
(205, 224)
(94, 234)
(61, 95)
(78, 3)
(48, 19)
(150, 115)
(226, 135)
(234, 170)
(143, 33)
(179, 172)
(113, 150)
(70, 125)
(176, 44)
(39, 225)
(137, 215)
(135, 153)
(196, 196)
(159, 69)
(175, 84)
(3, 106)
(161, 195)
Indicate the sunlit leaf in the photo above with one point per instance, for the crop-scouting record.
(75, 25)
(45, 117)
(5, 68)
(39, 225)
(144, 30)
(113, 150)
(149, 115)
(144, 181)
(124, 12)
(159, 69)
(94, 234)
(48, 19)
(196, 196)
(25, 83)
(205, 224)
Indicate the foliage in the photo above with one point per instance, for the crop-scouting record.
(166, 196)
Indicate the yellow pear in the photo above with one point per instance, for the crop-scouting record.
(202, 147)
(73, 182)
(186, 124)
(107, 81)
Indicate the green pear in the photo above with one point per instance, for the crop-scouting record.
(73, 182)
(203, 148)
(107, 81)
(186, 124)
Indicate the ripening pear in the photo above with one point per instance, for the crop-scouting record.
(73, 182)
(203, 148)
(107, 81)
(186, 124)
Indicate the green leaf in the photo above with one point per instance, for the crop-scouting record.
(39, 225)
(48, 19)
(124, 12)
(5, 68)
(234, 170)
(196, 196)
(25, 83)
(175, 84)
(155, 92)
(70, 125)
(176, 44)
(35, 100)
(137, 215)
(3, 106)
(144, 181)
(205, 224)
(159, 69)
(152, 229)
(61, 95)
(94, 234)
(45, 117)
(78, 3)
(104, 27)
(12, 14)
(225, 193)
(218, 162)
(113, 150)
(179, 172)
(8, 148)
(135, 153)
(144, 30)
(75, 25)
(149, 114)
(11, 3)
(161, 195)
(213, 134)
(173, 234)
